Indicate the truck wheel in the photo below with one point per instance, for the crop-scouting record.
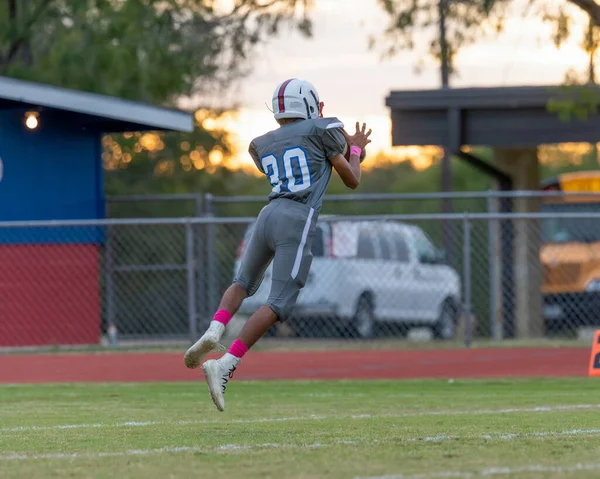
(364, 317)
(445, 327)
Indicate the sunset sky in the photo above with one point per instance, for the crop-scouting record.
(353, 81)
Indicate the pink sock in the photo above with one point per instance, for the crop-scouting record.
(222, 316)
(238, 349)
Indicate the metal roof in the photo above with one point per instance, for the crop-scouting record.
(119, 114)
(495, 97)
(502, 117)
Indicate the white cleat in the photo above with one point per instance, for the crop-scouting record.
(207, 343)
(217, 376)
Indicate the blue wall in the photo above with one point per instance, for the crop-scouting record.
(53, 172)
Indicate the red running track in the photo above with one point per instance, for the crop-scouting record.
(388, 364)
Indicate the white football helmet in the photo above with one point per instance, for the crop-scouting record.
(296, 98)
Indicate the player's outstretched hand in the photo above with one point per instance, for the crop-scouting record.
(360, 138)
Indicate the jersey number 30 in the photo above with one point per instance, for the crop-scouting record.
(289, 173)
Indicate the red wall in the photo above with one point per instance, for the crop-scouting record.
(49, 294)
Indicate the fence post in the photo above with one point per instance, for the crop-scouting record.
(467, 280)
(198, 206)
(493, 259)
(199, 263)
(109, 272)
(211, 279)
(191, 280)
(507, 266)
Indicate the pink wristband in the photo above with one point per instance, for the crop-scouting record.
(355, 150)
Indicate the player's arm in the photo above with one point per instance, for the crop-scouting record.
(335, 142)
(349, 169)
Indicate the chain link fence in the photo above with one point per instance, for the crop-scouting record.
(154, 206)
(373, 276)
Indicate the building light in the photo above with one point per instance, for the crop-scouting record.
(31, 120)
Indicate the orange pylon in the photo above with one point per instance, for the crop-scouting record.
(595, 355)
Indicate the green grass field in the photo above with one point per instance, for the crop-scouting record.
(340, 429)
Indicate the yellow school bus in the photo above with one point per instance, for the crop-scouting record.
(570, 253)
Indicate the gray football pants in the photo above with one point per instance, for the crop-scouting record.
(282, 233)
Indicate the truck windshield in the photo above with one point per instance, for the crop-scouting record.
(564, 230)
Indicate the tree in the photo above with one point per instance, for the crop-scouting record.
(159, 162)
(147, 50)
(578, 97)
(467, 21)
(591, 8)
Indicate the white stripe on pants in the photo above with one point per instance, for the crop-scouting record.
(300, 251)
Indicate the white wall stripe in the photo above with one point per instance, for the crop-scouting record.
(15, 456)
(300, 251)
(539, 409)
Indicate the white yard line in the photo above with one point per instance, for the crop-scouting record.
(490, 472)
(246, 447)
(540, 409)
(151, 452)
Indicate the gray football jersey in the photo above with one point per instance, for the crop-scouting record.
(296, 158)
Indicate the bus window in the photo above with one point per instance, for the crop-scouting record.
(562, 230)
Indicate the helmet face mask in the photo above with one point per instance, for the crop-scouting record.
(296, 98)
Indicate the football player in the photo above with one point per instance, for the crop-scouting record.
(297, 158)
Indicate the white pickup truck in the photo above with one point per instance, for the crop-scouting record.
(367, 273)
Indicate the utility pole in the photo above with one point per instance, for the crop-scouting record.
(447, 237)
(446, 165)
(592, 47)
(12, 9)
(442, 6)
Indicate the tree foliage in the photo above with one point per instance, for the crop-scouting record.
(574, 100)
(466, 22)
(159, 162)
(470, 20)
(148, 50)
(578, 97)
